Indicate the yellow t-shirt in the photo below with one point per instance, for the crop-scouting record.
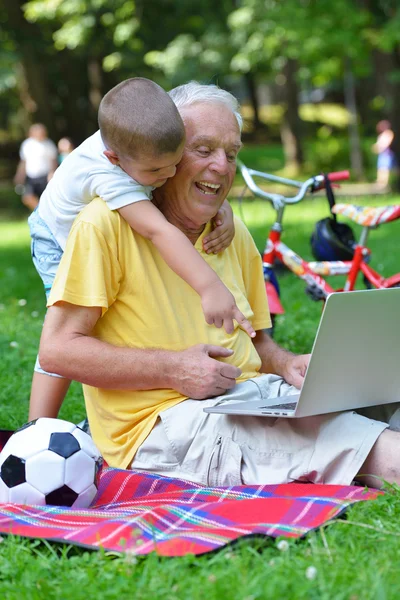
(146, 305)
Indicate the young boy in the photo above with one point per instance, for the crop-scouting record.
(140, 142)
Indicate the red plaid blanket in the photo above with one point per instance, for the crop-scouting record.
(140, 513)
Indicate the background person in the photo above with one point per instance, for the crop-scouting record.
(126, 326)
(38, 161)
(386, 161)
(64, 146)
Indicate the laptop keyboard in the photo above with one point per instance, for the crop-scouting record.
(287, 406)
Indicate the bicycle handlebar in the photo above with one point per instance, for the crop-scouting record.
(339, 175)
(278, 200)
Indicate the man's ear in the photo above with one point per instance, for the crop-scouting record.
(112, 157)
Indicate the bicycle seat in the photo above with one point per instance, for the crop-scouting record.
(368, 216)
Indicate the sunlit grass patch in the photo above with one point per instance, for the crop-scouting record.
(335, 115)
(15, 235)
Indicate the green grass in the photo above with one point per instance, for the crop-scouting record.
(355, 559)
(22, 309)
(11, 206)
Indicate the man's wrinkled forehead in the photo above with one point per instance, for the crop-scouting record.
(203, 127)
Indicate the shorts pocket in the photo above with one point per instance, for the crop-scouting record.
(224, 467)
(156, 452)
(45, 250)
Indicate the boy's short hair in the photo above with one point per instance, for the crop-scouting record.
(138, 118)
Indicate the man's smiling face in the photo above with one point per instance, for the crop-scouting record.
(205, 174)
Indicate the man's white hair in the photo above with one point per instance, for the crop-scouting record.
(195, 92)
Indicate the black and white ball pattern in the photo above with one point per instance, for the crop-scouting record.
(49, 461)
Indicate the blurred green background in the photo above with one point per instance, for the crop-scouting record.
(314, 78)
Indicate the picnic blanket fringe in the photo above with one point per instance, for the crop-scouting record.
(138, 513)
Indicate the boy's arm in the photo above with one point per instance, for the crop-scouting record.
(116, 188)
(218, 303)
(224, 230)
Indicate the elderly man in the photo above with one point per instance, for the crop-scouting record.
(121, 322)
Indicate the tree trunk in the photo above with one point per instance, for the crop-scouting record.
(60, 89)
(95, 77)
(356, 160)
(33, 63)
(394, 116)
(252, 90)
(291, 123)
(392, 99)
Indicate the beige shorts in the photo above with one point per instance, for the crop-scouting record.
(224, 450)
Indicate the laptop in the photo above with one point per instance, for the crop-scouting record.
(355, 360)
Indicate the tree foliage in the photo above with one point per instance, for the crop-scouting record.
(58, 57)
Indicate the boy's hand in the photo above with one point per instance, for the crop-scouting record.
(223, 233)
(219, 308)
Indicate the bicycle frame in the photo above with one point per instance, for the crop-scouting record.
(312, 272)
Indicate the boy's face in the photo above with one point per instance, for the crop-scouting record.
(153, 171)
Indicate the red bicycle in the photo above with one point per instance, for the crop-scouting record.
(333, 243)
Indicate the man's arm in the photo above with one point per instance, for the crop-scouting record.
(68, 348)
(291, 367)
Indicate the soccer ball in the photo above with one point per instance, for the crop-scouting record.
(49, 461)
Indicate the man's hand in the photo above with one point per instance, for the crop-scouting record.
(223, 233)
(290, 367)
(295, 369)
(198, 375)
(219, 308)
